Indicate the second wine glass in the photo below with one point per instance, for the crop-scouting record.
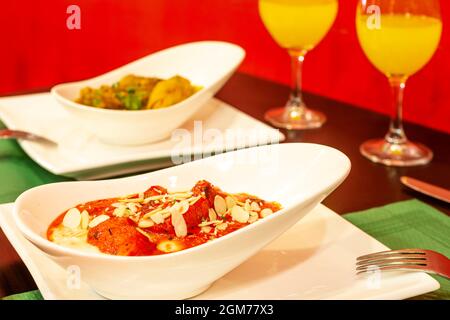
(399, 37)
(298, 26)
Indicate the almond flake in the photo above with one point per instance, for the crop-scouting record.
(153, 198)
(222, 226)
(97, 220)
(132, 200)
(146, 223)
(194, 200)
(134, 218)
(206, 229)
(157, 218)
(146, 234)
(239, 214)
(208, 223)
(253, 217)
(247, 205)
(84, 219)
(72, 218)
(180, 207)
(181, 195)
(230, 202)
(254, 206)
(265, 212)
(179, 224)
(133, 207)
(220, 205)
(212, 215)
(148, 214)
(120, 212)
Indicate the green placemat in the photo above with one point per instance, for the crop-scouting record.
(18, 172)
(409, 224)
(31, 295)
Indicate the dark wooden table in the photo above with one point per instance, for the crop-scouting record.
(368, 184)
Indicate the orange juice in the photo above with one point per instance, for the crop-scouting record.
(298, 24)
(402, 44)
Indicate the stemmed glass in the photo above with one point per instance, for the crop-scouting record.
(399, 37)
(298, 26)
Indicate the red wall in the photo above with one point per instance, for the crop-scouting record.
(38, 50)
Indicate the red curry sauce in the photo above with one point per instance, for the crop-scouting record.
(145, 224)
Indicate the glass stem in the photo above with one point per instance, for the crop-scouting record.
(396, 134)
(296, 98)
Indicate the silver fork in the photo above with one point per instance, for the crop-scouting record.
(23, 135)
(405, 260)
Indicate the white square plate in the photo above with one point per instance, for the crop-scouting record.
(315, 259)
(80, 155)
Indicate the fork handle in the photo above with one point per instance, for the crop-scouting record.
(443, 268)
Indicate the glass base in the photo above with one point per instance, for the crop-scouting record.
(401, 155)
(295, 118)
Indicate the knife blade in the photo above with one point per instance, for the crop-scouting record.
(426, 188)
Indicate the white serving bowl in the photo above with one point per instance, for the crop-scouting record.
(299, 176)
(207, 63)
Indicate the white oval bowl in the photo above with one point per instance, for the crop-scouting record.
(299, 176)
(207, 63)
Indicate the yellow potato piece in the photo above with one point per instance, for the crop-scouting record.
(169, 92)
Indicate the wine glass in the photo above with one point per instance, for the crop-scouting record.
(399, 37)
(298, 26)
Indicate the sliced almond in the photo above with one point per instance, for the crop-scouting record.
(179, 224)
(206, 229)
(157, 218)
(222, 226)
(180, 207)
(239, 214)
(220, 205)
(148, 214)
(253, 217)
(247, 205)
(120, 212)
(84, 220)
(265, 212)
(134, 218)
(133, 207)
(146, 234)
(140, 198)
(193, 200)
(117, 205)
(166, 214)
(230, 202)
(157, 197)
(209, 223)
(181, 195)
(97, 220)
(254, 206)
(212, 214)
(72, 219)
(146, 223)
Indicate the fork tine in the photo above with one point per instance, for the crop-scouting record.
(379, 262)
(390, 252)
(396, 262)
(394, 256)
(394, 268)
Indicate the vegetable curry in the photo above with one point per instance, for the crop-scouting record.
(138, 93)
